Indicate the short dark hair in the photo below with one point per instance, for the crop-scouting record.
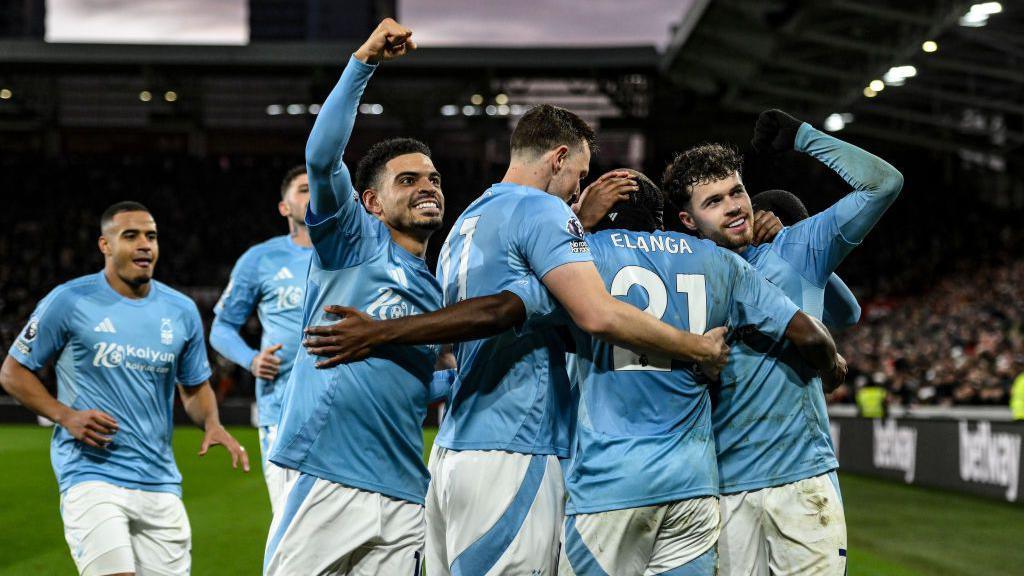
(290, 175)
(699, 165)
(786, 205)
(119, 207)
(643, 212)
(371, 165)
(545, 127)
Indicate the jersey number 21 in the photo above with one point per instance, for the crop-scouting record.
(692, 285)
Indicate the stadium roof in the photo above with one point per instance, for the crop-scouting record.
(865, 66)
(15, 53)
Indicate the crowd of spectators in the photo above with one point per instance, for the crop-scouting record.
(959, 341)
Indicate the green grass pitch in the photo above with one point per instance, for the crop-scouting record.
(893, 529)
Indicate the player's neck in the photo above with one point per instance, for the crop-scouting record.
(123, 288)
(299, 234)
(529, 174)
(412, 243)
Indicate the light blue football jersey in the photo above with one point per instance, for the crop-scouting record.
(770, 419)
(357, 424)
(643, 429)
(270, 277)
(121, 356)
(512, 393)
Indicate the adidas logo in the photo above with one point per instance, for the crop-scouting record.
(105, 326)
(283, 274)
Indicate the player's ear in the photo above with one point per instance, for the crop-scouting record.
(558, 157)
(371, 201)
(104, 245)
(283, 209)
(688, 222)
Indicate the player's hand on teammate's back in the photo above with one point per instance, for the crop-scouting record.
(388, 41)
(90, 427)
(712, 367)
(266, 365)
(350, 340)
(215, 435)
(766, 227)
(837, 377)
(775, 131)
(602, 195)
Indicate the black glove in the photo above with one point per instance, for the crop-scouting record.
(775, 131)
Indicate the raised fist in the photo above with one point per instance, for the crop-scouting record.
(388, 41)
(775, 131)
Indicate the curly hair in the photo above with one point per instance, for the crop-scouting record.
(371, 166)
(699, 165)
(293, 173)
(545, 127)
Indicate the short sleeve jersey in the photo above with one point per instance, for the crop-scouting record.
(512, 393)
(122, 356)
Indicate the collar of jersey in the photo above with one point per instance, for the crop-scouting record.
(295, 247)
(130, 301)
(503, 186)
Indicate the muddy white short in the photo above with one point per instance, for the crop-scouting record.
(493, 512)
(789, 530)
(111, 529)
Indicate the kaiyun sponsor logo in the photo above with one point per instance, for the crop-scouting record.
(113, 355)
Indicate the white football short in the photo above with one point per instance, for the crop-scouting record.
(789, 530)
(277, 478)
(492, 512)
(111, 529)
(328, 528)
(677, 538)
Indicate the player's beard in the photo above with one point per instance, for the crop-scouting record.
(432, 224)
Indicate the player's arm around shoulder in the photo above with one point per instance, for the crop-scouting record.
(581, 291)
(551, 239)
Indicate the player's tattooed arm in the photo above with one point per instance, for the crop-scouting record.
(90, 427)
(817, 347)
(201, 406)
(357, 334)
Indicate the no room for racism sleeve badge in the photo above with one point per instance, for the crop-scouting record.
(575, 229)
